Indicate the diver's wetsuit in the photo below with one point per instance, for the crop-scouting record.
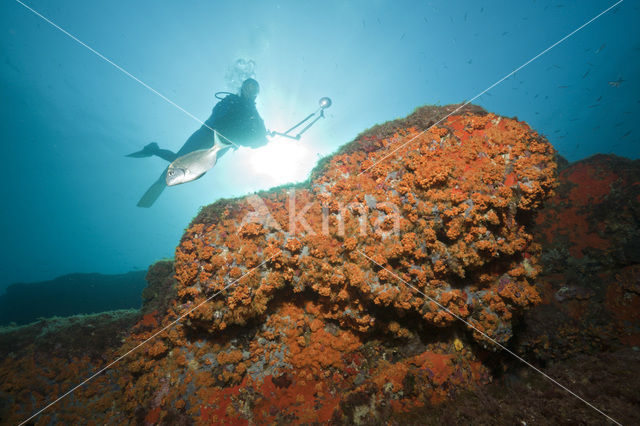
(235, 118)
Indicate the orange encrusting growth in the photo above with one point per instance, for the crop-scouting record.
(441, 210)
(310, 319)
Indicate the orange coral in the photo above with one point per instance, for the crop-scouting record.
(438, 209)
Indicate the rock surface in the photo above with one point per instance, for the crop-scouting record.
(274, 321)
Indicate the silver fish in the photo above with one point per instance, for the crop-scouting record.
(195, 164)
(617, 82)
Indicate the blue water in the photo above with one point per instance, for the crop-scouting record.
(69, 117)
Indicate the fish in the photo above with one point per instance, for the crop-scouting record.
(616, 83)
(195, 164)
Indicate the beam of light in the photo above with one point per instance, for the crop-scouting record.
(282, 161)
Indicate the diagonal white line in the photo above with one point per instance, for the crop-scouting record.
(171, 324)
(496, 83)
(489, 338)
(121, 69)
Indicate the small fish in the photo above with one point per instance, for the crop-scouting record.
(563, 87)
(195, 164)
(598, 100)
(626, 134)
(616, 83)
(586, 73)
(599, 49)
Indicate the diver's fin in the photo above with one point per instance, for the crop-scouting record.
(154, 191)
(147, 151)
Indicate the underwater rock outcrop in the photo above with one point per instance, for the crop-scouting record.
(300, 313)
(588, 323)
(590, 285)
(325, 301)
(446, 213)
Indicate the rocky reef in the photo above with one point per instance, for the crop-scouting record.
(446, 212)
(585, 333)
(590, 236)
(378, 287)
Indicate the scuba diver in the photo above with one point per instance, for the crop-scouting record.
(236, 121)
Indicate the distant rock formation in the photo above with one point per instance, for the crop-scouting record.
(71, 294)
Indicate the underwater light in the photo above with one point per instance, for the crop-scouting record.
(282, 161)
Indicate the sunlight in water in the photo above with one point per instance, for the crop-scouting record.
(282, 161)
